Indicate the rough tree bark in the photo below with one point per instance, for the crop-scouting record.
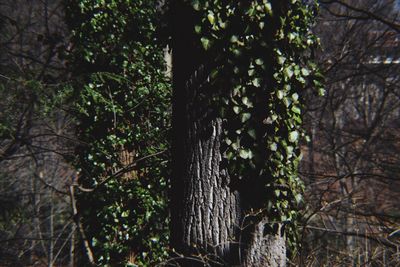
(209, 225)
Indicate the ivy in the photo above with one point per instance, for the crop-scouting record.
(262, 51)
(122, 104)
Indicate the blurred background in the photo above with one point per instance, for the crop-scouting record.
(351, 166)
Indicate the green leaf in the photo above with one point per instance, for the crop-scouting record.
(281, 60)
(268, 8)
(296, 110)
(236, 52)
(296, 70)
(256, 82)
(205, 42)
(293, 136)
(214, 73)
(234, 146)
(280, 94)
(197, 28)
(234, 39)
(245, 117)
(247, 102)
(196, 5)
(251, 11)
(211, 18)
(288, 72)
(277, 192)
(273, 147)
(259, 61)
(287, 101)
(289, 151)
(245, 154)
(237, 89)
(299, 198)
(305, 72)
(228, 141)
(229, 155)
(252, 133)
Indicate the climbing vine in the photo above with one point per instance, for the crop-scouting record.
(122, 105)
(261, 53)
(261, 65)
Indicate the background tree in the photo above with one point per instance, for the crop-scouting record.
(35, 135)
(349, 164)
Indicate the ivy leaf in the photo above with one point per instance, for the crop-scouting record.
(256, 82)
(277, 192)
(296, 110)
(296, 70)
(214, 74)
(299, 198)
(280, 94)
(234, 146)
(281, 60)
(287, 101)
(205, 42)
(234, 39)
(273, 147)
(196, 5)
(252, 133)
(268, 8)
(236, 90)
(289, 151)
(259, 61)
(288, 72)
(247, 102)
(245, 117)
(245, 154)
(229, 155)
(293, 136)
(251, 72)
(228, 141)
(251, 11)
(197, 28)
(305, 72)
(211, 18)
(236, 52)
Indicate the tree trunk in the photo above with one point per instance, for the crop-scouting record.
(208, 222)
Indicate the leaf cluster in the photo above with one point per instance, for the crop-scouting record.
(122, 98)
(262, 52)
